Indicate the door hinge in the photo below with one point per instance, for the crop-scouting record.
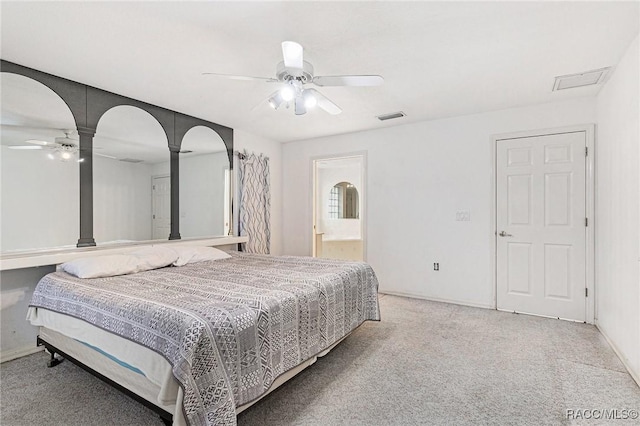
(586, 221)
(586, 151)
(154, 216)
(586, 292)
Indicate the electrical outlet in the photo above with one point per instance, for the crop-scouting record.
(463, 216)
(436, 266)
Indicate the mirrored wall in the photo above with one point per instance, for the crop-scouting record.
(39, 167)
(131, 178)
(204, 184)
(118, 177)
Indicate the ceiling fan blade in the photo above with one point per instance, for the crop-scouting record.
(325, 103)
(300, 107)
(348, 80)
(25, 147)
(241, 77)
(292, 53)
(105, 156)
(39, 142)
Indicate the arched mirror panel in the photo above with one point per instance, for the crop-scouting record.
(131, 178)
(39, 167)
(204, 184)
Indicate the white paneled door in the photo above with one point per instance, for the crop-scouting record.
(161, 206)
(541, 225)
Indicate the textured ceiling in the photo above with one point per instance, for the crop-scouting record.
(438, 59)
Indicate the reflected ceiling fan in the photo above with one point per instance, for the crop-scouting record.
(63, 148)
(297, 73)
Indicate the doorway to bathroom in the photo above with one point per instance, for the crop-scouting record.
(339, 207)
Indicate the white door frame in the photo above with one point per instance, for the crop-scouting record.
(589, 130)
(363, 195)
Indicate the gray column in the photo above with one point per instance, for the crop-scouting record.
(175, 194)
(86, 187)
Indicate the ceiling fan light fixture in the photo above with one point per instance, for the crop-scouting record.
(310, 101)
(64, 153)
(276, 100)
(287, 93)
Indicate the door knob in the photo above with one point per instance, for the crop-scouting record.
(504, 234)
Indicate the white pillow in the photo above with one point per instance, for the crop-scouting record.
(154, 257)
(102, 266)
(193, 254)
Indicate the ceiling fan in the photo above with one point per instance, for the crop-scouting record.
(296, 73)
(63, 148)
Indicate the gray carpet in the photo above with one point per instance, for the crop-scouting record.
(425, 363)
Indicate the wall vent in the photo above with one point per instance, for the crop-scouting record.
(587, 78)
(391, 116)
(131, 160)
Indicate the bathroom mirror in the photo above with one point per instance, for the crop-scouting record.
(343, 201)
(131, 183)
(204, 184)
(39, 167)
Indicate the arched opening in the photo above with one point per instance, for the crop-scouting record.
(39, 167)
(204, 184)
(131, 182)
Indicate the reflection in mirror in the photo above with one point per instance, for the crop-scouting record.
(131, 187)
(204, 184)
(343, 201)
(39, 167)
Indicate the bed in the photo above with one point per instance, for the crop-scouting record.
(203, 341)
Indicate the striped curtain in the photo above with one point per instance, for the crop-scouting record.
(255, 202)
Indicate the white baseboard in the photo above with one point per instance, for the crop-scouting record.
(19, 353)
(634, 374)
(434, 299)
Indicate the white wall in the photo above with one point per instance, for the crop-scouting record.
(419, 175)
(618, 210)
(253, 143)
(17, 335)
(121, 200)
(40, 201)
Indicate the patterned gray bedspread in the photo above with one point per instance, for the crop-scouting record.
(228, 327)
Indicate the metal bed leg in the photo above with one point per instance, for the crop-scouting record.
(53, 361)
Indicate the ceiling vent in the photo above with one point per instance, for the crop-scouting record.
(391, 116)
(131, 160)
(588, 78)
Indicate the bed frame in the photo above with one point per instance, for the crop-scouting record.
(165, 416)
